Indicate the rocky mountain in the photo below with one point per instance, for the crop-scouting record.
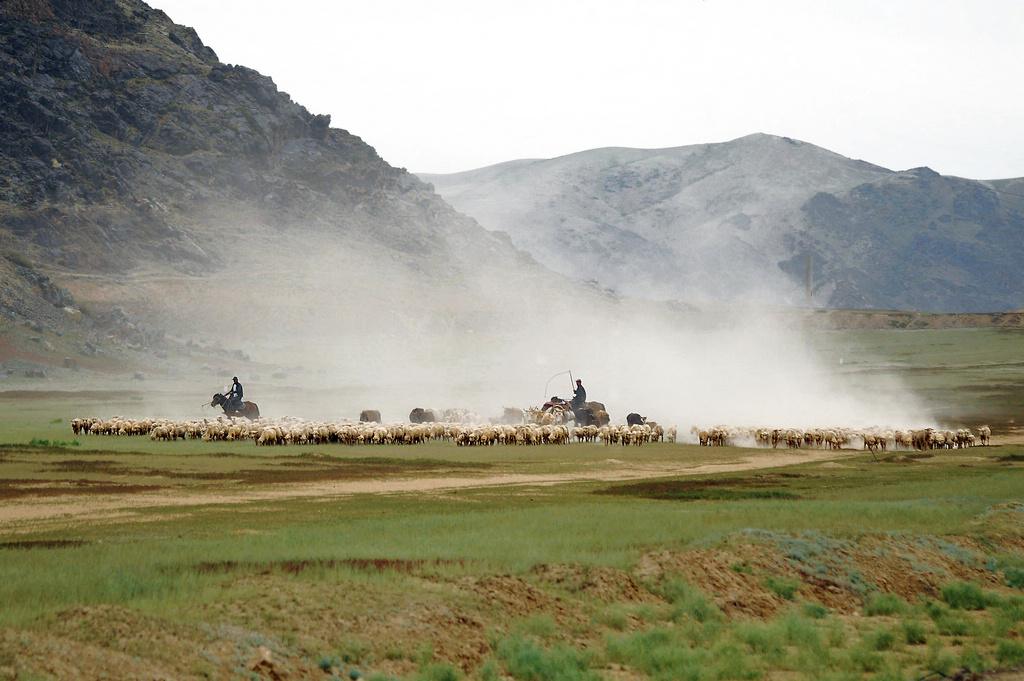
(145, 184)
(747, 220)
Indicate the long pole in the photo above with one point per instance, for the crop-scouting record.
(562, 373)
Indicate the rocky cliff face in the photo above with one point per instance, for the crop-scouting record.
(113, 120)
(140, 174)
(741, 221)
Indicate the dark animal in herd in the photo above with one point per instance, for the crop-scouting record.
(635, 419)
(369, 416)
(592, 414)
(420, 415)
(249, 410)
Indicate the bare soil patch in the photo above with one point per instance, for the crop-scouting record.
(21, 510)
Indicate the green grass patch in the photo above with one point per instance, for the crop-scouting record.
(964, 596)
(661, 654)
(527, 661)
(697, 490)
(914, 632)
(815, 611)
(884, 604)
(35, 442)
(439, 672)
(687, 602)
(1010, 653)
(783, 587)
(1014, 577)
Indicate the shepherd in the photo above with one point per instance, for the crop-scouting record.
(234, 396)
(579, 397)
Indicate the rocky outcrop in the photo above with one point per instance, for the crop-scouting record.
(114, 121)
(141, 174)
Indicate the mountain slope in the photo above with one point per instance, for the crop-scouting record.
(739, 221)
(129, 151)
(138, 174)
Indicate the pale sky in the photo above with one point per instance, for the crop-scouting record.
(447, 85)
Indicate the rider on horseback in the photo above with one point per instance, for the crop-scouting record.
(579, 396)
(234, 396)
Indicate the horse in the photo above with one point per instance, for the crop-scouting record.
(249, 410)
(592, 414)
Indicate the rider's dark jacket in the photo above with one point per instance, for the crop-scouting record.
(236, 391)
(579, 396)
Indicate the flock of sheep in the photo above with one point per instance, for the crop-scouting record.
(462, 429)
(872, 439)
(283, 431)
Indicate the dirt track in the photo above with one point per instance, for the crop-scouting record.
(22, 515)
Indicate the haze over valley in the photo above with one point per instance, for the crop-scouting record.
(168, 220)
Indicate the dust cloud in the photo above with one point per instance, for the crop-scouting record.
(484, 346)
(330, 328)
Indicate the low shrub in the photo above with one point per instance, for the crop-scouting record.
(783, 587)
(1010, 653)
(1011, 609)
(528, 661)
(19, 259)
(439, 672)
(815, 611)
(882, 639)
(801, 632)
(763, 639)
(914, 633)
(1014, 577)
(688, 602)
(939, 660)
(542, 626)
(964, 596)
(614, 617)
(884, 604)
(956, 624)
(866, 658)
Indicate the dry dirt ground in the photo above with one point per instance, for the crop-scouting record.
(291, 628)
(40, 512)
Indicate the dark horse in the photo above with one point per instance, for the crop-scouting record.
(249, 410)
(592, 414)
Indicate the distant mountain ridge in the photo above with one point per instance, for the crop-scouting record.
(740, 221)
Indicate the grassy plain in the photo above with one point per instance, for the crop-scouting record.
(968, 375)
(127, 558)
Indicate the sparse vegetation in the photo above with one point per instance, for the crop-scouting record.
(964, 596)
(321, 582)
(884, 604)
(18, 259)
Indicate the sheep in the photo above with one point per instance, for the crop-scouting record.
(657, 432)
(718, 436)
(470, 430)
